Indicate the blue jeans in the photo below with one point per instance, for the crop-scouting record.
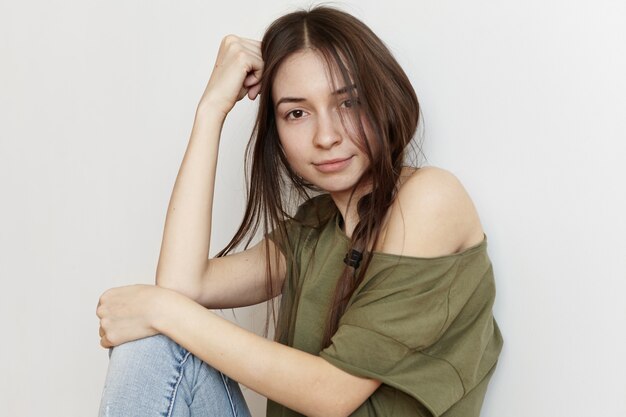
(155, 376)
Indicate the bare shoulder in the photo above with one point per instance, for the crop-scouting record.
(433, 215)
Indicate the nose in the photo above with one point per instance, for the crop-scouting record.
(329, 130)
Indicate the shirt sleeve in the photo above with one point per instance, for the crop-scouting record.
(419, 325)
(285, 239)
(310, 214)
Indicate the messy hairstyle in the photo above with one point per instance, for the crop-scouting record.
(386, 100)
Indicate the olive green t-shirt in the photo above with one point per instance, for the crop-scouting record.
(422, 326)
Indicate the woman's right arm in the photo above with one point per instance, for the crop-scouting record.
(183, 261)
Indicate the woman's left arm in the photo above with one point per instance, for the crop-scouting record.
(303, 382)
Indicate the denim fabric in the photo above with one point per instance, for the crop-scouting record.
(155, 376)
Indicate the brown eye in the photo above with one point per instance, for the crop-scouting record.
(350, 103)
(295, 114)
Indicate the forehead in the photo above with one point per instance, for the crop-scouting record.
(304, 72)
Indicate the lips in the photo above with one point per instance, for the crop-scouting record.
(333, 165)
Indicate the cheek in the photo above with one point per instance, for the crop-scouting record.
(369, 135)
(285, 143)
(353, 133)
(293, 140)
(292, 149)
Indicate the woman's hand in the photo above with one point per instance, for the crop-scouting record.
(129, 313)
(237, 72)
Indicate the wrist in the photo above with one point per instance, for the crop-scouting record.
(166, 305)
(210, 107)
(208, 122)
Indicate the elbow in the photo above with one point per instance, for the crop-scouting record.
(188, 290)
(334, 406)
(338, 393)
(187, 282)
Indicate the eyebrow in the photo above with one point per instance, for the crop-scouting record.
(342, 90)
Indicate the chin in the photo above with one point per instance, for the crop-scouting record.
(336, 186)
(334, 182)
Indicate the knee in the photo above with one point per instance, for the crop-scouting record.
(147, 347)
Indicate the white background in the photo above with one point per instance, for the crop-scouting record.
(523, 100)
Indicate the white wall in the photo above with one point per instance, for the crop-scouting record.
(523, 100)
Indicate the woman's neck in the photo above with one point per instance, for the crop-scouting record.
(348, 207)
(349, 211)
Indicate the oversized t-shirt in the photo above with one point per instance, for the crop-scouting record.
(422, 326)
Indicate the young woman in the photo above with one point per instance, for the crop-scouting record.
(385, 283)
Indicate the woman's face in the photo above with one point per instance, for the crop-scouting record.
(308, 119)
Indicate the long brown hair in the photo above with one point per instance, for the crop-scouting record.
(388, 103)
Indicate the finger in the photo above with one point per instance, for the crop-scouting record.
(251, 83)
(242, 93)
(254, 91)
(256, 68)
(252, 50)
(236, 46)
(250, 80)
(238, 39)
(254, 54)
(252, 42)
(104, 342)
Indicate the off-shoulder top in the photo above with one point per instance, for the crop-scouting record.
(422, 326)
